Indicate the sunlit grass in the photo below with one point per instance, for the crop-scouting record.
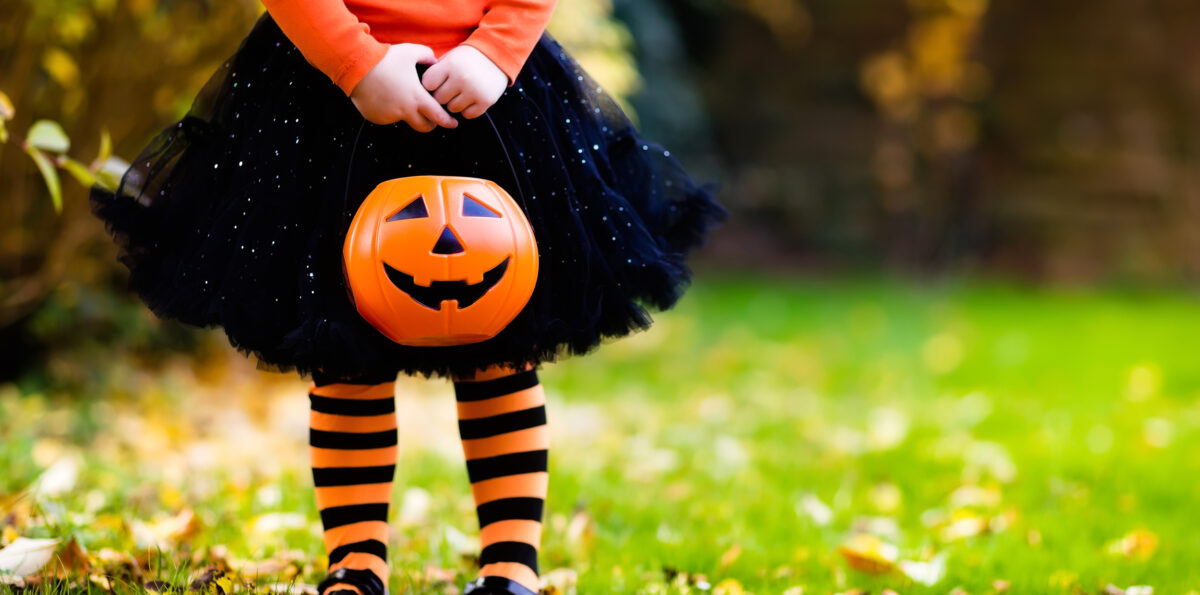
(1016, 434)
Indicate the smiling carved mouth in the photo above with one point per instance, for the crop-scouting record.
(439, 291)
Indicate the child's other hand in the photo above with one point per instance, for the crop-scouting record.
(465, 81)
(391, 92)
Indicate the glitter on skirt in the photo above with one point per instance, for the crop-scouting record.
(235, 215)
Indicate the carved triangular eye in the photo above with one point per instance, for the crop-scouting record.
(413, 210)
(474, 208)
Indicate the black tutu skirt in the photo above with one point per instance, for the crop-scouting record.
(235, 216)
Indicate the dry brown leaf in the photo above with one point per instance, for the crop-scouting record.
(70, 560)
(867, 553)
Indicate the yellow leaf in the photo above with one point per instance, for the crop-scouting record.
(7, 111)
(730, 556)
(868, 553)
(1139, 544)
(728, 587)
(61, 67)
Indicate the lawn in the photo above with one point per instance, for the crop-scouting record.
(768, 436)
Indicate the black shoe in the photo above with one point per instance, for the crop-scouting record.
(365, 580)
(496, 585)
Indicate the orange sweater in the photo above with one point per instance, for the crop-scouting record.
(345, 39)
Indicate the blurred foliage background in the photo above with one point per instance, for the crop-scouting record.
(1056, 143)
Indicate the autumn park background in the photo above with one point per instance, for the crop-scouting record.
(946, 343)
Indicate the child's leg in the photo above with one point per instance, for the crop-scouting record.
(352, 444)
(502, 421)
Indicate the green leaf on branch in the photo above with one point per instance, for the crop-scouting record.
(79, 171)
(49, 174)
(49, 136)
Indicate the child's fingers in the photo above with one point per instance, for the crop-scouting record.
(431, 109)
(419, 122)
(434, 78)
(446, 93)
(422, 54)
(475, 110)
(460, 103)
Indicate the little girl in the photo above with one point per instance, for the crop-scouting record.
(235, 216)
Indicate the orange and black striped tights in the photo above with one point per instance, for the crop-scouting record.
(352, 444)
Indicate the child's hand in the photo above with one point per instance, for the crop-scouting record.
(464, 80)
(391, 92)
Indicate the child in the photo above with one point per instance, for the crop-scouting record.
(235, 216)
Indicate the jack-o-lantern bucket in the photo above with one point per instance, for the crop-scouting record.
(440, 260)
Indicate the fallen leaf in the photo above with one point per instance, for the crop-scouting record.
(59, 478)
(963, 527)
(166, 533)
(273, 522)
(292, 588)
(414, 507)
(729, 587)
(730, 556)
(816, 510)
(867, 553)
(71, 560)
(927, 573)
(563, 579)
(25, 557)
(974, 496)
(213, 581)
(1139, 544)
(580, 529)
(286, 565)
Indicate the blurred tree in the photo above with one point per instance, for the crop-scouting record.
(87, 65)
(131, 67)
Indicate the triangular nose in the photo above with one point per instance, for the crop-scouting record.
(448, 243)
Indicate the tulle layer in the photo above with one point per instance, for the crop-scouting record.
(235, 216)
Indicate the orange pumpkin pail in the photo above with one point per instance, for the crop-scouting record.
(440, 260)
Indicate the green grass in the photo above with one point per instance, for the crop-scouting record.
(691, 448)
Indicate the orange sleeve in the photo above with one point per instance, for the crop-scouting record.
(330, 37)
(509, 31)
